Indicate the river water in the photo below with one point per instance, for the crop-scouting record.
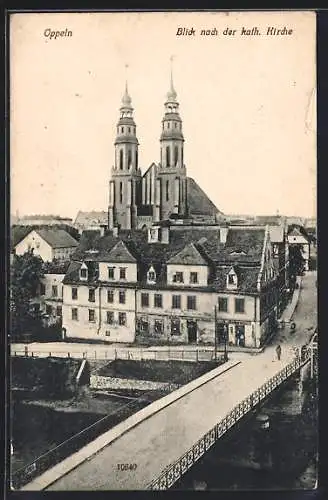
(282, 456)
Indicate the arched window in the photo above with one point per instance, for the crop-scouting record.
(122, 130)
(129, 158)
(136, 158)
(181, 157)
(167, 190)
(168, 158)
(121, 192)
(121, 159)
(168, 125)
(176, 155)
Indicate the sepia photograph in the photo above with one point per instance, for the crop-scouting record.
(163, 328)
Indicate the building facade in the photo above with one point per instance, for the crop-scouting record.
(182, 286)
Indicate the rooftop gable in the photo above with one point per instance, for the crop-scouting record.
(120, 253)
(189, 255)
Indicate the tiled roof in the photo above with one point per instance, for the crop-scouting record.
(247, 278)
(90, 218)
(57, 238)
(189, 255)
(198, 201)
(18, 233)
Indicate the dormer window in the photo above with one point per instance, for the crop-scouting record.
(232, 280)
(84, 272)
(151, 275)
(153, 234)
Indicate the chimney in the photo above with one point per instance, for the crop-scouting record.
(165, 235)
(223, 234)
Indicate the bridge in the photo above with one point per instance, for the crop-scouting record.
(153, 448)
(160, 443)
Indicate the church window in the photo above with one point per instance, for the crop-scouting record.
(122, 130)
(167, 191)
(176, 124)
(136, 159)
(129, 129)
(168, 125)
(129, 158)
(168, 158)
(121, 159)
(181, 157)
(121, 192)
(176, 155)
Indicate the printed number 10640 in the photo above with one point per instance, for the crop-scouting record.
(126, 466)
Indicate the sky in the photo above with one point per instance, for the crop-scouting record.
(248, 105)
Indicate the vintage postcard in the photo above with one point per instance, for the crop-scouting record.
(163, 279)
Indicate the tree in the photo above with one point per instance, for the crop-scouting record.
(26, 272)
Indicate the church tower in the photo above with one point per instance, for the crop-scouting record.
(170, 191)
(125, 184)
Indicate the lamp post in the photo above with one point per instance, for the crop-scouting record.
(225, 342)
(215, 334)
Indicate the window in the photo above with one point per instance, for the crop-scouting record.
(175, 326)
(175, 124)
(158, 300)
(122, 130)
(151, 276)
(231, 279)
(74, 293)
(122, 273)
(42, 289)
(168, 160)
(111, 273)
(129, 129)
(191, 302)
(59, 310)
(92, 317)
(107, 333)
(110, 296)
(176, 301)
(83, 273)
(121, 297)
(176, 154)
(223, 304)
(239, 305)
(129, 158)
(92, 295)
(110, 317)
(122, 319)
(167, 190)
(145, 300)
(75, 314)
(178, 277)
(144, 325)
(121, 192)
(193, 278)
(48, 310)
(121, 159)
(158, 326)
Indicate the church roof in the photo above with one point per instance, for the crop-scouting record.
(198, 201)
(89, 218)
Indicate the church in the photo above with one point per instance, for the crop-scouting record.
(164, 192)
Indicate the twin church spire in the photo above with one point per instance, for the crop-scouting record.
(165, 189)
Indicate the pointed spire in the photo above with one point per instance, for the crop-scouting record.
(171, 95)
(126, 100)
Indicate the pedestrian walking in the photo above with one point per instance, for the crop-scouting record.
(278, 352)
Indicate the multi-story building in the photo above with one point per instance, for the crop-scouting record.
(168, 285)
(49, 299)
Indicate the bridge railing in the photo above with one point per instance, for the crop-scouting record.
(173, 472)
(126, 354)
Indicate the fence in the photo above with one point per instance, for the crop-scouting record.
(25, 474)
(173, 472)
(127, 354)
